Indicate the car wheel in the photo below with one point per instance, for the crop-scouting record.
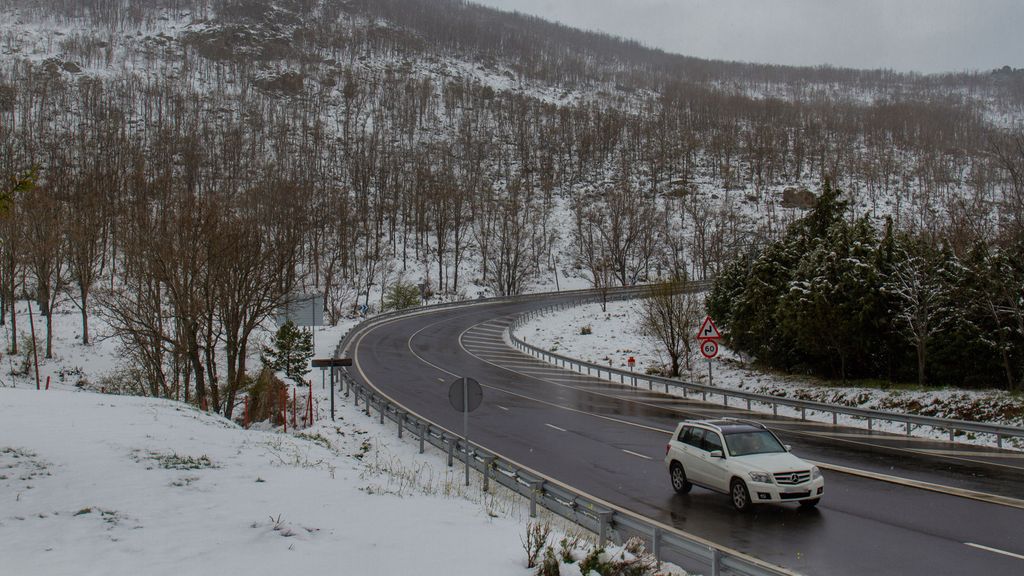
(740, 495)
(679, 482)
(808, 504)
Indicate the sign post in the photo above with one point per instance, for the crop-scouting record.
(330, 363)
(465, 395)
(708, 336)
(631, 362)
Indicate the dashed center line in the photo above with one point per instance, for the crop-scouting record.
(556, 427)
(996, 550)
(502, 407)
(638, 455)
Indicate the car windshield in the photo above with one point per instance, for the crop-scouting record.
(757, 442)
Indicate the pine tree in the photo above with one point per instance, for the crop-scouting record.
(291, 352)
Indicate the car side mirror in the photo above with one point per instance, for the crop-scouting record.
(717, 454)
(787, 447)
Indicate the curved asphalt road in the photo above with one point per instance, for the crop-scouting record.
(608, 440)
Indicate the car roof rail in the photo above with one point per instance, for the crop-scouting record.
(747, 421)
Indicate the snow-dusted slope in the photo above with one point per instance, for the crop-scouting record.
(95, 484)
(615, 336)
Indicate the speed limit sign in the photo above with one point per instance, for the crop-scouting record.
(709, 348)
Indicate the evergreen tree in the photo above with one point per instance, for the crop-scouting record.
(291, 352)
(401, 296)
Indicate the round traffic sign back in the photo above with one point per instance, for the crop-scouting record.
(465, 394)
(709, 348)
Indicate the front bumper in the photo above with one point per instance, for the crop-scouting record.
(775, 493)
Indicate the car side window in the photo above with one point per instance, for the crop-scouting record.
(695, 438)
(712, 442)
(684, 434)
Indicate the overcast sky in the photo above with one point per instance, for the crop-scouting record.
(904, 35)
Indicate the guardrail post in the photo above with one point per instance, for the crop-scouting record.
(401, 421)
(535, 488)
(656, 544)
(871, 424)
(775, 409)
(381, 412)
(356, 397)
(803, 413)
(835, 418)
(716, 561)
(748, 404)
(704, 395)
(451, 450)
(999, 440)
(368, 400)
(603, 520)
(423, 434)
(952, 434)
(909, 427)
(488, 462)
(725, 400)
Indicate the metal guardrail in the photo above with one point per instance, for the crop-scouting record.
(910, 421)
(605, 520)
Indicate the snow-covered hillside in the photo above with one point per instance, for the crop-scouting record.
(99, 484)
(615, 335)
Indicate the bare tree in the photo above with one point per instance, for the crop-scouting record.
(84, 237)
(47, 253)
(670, 314)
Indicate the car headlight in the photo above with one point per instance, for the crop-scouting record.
(762, 477)
(815, 473)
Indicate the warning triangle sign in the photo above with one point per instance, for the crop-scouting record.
(708, 330)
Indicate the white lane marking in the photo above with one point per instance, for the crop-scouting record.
(356, 364)
(502, 407)
(556, 427)
(440, 379)
(996, 550)
(637, 454)
(980, 496)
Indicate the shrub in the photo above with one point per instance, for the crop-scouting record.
(586, 330)
(550, 565)
(401, 296)
(536, 538)
(268, 397)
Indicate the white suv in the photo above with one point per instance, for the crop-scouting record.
(743, 459)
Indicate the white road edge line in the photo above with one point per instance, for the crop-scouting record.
(502, 407)
(637, 454)
(556, 427)
(996, 550)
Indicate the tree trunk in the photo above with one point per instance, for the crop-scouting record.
(920, 363)
(49, 335)
(84, 293)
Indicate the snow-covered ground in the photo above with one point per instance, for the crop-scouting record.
(95, 484)
(99, 484)
(615, 336)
